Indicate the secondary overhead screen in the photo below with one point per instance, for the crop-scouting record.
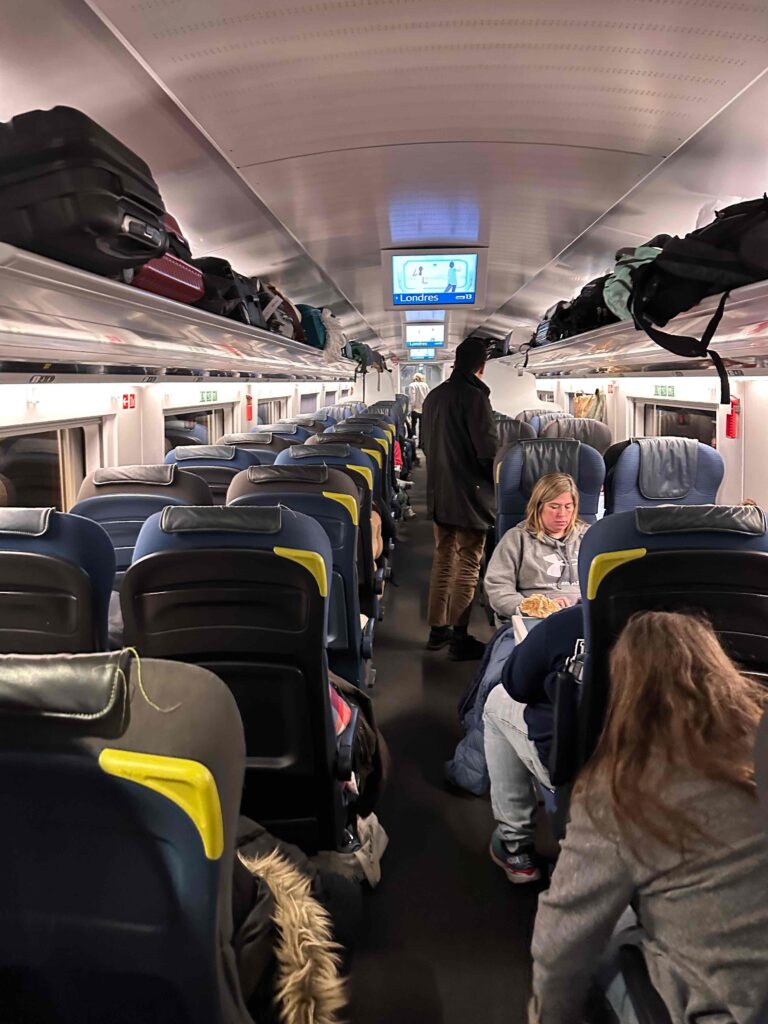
(421, 355)
(423, 278)
(426, 335)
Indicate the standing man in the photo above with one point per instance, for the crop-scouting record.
(417, 392)
(453, 278)
(458, 434)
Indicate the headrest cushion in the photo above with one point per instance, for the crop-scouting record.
(667, 467)
(220, 519)
(82, 694)
(205, 451)
(160, 476)
(25, 522)
(548, 455)
(246, 438)
(288, 474)
(745, 519)
(304, 451)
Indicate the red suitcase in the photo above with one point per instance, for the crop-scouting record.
(171, 277)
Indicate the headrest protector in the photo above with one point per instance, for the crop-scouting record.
(25, 522)
(221, 519)
(253, 437)
(745, 519)
(159, 476)
(288, 474)
(543, 455)
(304, 451)
(667, 467)
(73, 694)
(205, 451)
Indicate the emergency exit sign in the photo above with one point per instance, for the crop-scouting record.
(664, 391)
(213, 396)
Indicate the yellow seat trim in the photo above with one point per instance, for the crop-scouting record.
(349, 503)
(188, 784)
(605, 563)
(392, 429)
(384, 442)
(375, 455)
(498, 472)
(312, 561)
(365, 473)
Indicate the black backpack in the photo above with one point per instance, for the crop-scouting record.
(554, 325)
(588, 310)
(730, 252)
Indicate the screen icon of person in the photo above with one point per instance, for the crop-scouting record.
(453, 277)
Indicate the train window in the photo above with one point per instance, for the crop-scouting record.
(549, 396)
(680, 421)
(308, 403)
(330, 397)
(42, 470)
(272, 410)
(193, 426)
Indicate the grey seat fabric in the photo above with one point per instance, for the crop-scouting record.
(163, 480)
(591, 432)
(511, 430)
(91, 909)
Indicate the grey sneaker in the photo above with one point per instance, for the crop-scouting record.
(519, 867)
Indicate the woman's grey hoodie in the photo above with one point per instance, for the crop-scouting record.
(522, 565)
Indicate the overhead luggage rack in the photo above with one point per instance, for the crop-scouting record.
(53, 313)
(741, 340)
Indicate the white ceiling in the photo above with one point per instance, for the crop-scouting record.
(362, 124)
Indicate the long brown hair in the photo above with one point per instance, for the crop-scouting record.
(677, 706)
(546, 489)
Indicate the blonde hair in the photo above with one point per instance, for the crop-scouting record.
(677, 704)
(545, 489)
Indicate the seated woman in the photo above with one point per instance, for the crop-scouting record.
(664, 817)
(517, 721)
(539, 555)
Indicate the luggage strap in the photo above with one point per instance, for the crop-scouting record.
(688, 347)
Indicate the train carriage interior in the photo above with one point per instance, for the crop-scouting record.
(245, 772)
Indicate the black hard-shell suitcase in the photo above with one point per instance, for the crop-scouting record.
(228, 293)
(72, 191)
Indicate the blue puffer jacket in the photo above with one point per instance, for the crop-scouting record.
(467, 769)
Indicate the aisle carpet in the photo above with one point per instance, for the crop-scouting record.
(446, 937)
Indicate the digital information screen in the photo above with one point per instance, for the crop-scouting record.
(434, 280)
(421, 355)
(432, 335)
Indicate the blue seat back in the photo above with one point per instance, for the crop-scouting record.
(57, 572)
(217, 464)
(708, 559)
(122, 498)
(330, 498)
(661, 471)
(244, 592)
(289, 429)
(553, 456)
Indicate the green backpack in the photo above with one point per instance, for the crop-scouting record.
(617, 290)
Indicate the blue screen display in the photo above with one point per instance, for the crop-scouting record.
(437, 280)
(421, 355)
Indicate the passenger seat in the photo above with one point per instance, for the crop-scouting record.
(217, 464)
(647, 471)
(120, 783)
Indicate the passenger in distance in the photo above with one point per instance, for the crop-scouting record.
(664, 818)
(517, 729)
(539, 555)
(458, 434)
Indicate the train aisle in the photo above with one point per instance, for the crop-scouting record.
(446, 937)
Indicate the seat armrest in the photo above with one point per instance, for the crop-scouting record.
(378, 580)
(647, 1003)
(366, 644)
(345, 746)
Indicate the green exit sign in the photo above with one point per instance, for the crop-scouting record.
(209, 396)
(664, 391)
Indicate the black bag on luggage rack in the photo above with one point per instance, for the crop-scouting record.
(588, 310)
(554, 326)
(71, 191)
(228, 293)
(730, 252)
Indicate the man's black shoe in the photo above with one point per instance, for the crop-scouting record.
(465, 647)
(439, 637)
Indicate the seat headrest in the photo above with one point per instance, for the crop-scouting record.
(304, 451)
(592, 432)
(25, 522)
(745, 519)
(221, 518)
(285, 428)
(246, 438)
(548, 455)
(288, 474)
(205, 451)
(76, 694)
(667, 466)
(163, 475)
